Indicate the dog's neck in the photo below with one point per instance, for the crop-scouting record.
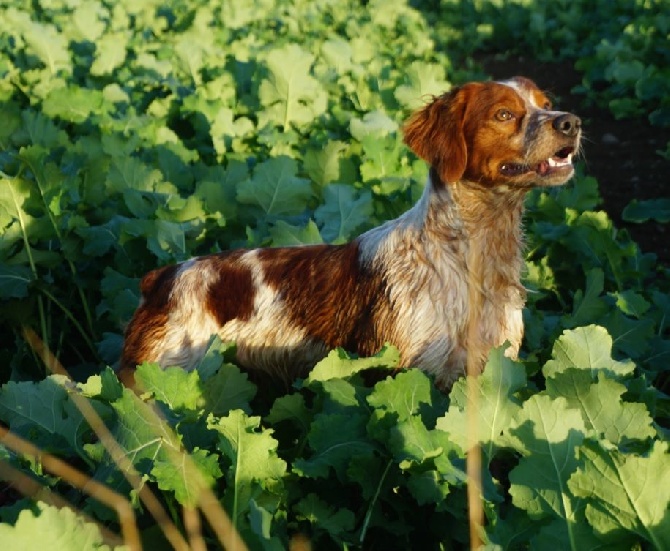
(487, 220)
(458, 235)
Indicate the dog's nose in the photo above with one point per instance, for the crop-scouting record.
(567, 124)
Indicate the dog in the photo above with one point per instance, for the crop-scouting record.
(442, 282)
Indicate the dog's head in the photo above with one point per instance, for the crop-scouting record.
(496, 133)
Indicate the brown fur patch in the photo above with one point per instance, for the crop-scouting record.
(231, 295)
(148, 323)
(328, 292)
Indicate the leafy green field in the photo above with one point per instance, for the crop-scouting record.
(135, 134)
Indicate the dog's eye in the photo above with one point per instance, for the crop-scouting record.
(504, 115)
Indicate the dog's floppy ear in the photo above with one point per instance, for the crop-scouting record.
(435, 133)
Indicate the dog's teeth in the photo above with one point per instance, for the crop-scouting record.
(556, 161)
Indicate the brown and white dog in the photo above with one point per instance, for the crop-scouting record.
(441, 282)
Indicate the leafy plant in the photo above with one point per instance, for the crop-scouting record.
(139, 135)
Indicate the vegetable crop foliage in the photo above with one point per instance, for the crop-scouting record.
(138, 134)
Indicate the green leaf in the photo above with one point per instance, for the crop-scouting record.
(497, 405)
(631, 303)
(47, 527)
(424, 80)
(276, 189)
(323, 165)
(227, 390)
(291, 407)
(255, 469)
(339, 364)
(253, 452)
(404, 394)
(290, 95)
(589, 306)
(15, 281)
(131, 173)
(335, 439)
(286, 235)
(601, 405)
(587, 348)
(546, 432)
(175, 387)
(88, 20)
(110, 53)
(324, 517)
(373, 125)
(626, 492)
(412, 443)
(640, 211)
(343, 212)
(42, 40)
(141, 432)
(185, 475)
(44, 412)
(72, 104)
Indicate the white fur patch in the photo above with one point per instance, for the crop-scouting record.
(189, 326)
(264, 340)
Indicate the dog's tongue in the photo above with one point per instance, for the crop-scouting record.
(543, 168)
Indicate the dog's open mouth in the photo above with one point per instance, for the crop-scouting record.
(560, 160)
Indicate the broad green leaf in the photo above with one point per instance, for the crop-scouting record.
(131, 173)
(286, 235)
(546, 432)
(88, 20)
(413, 444)
(590, 305)
(601, 405)
(631, 336)
(44, 412)
(255, 469)
(338, 54)
(184, 474)
(335, 439)
(14, 281)
(292, 408)
(375, 124)
(227, 390)
(497, 403)
(47, 527)
(110, 53)
(323, 516)
(343, 212)
(340, 394)
(217, 189)
(403, 394)
(632, 303)
(640, 211)
(323, 165)
(588, 348)
(142, 434)
(339, 364)
(73, 104)
(175, 387)
(42, 40)
(251, 449)
(626, 492)
(290, 95)
(276, 188)
(427, 457)
(423, 81)
(105, 386)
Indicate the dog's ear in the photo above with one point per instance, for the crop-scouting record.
(435, 133)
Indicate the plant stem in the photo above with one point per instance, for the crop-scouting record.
(368, 514)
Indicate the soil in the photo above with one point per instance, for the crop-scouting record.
(620, 154)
